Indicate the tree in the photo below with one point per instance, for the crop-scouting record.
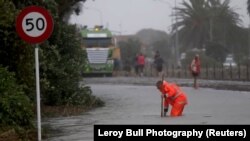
(15, 54)
(165, 50)
(15, 107)
(61, 64)
(67, 7)
(205, 21)
(129, 50)
(220, 54)
(61, 61)
(193, 23)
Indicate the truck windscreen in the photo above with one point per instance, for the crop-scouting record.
(97, 42)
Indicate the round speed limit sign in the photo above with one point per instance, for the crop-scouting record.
(34, 24)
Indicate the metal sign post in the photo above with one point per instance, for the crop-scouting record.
(34, 25)
(38, 93)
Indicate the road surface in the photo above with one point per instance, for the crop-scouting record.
(140, 104)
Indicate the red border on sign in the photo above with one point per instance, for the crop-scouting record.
(47, 31)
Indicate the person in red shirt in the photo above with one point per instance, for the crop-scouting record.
(195, 69)
(141, 63)
(173, 96)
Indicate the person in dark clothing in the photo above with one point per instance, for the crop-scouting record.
(136, 64)
(158, 63)
(116, 68)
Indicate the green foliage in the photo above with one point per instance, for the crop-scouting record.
(216, 51)
(61, 65)
(164, 49)
(156, 40)
(67, 7)
(14, 53)
(8, 16)
(149, 36)
(84, 97)
(61, 61)
(129, 49)
(205, 20)
(15, 106)
(212, 23)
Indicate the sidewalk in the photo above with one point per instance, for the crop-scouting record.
(217, 84)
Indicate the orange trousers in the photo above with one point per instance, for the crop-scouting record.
(177, 104)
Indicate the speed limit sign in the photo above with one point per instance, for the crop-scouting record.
(34, 24)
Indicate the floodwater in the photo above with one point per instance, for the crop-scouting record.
(133, 104)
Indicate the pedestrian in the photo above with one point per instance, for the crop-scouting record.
(173, 96)
(141, 63)
(116, 61)
(136, 65)
(195, 68)
(158, 63)
(116, 67)
(157, 54)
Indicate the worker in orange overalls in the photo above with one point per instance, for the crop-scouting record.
(174, 96)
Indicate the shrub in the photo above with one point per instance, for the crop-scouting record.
(15, 106)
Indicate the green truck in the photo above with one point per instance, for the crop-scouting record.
(101, 50)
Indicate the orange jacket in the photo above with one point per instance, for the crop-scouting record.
(173, 94)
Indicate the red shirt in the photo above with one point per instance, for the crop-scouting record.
(141, 60)
(195, 66)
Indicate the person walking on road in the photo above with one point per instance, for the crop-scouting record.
(141, 63)
(172, 95)
(158, 63)
(195, 69)
(136, 66)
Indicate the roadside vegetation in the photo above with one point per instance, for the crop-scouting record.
(211, 28)
(61, 61)
(208, 27)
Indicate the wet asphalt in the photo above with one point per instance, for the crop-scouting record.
(135, 100)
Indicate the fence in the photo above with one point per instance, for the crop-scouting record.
(213, 72)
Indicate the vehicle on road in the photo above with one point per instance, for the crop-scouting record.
(100, 47)
(229, 62)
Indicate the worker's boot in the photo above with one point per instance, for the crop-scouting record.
(165, 112)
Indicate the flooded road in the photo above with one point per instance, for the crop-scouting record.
(134, 104)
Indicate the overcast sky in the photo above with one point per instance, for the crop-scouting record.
(130, 16)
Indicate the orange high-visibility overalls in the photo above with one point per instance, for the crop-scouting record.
(175, 97)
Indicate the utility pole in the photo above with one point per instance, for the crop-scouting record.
(176, 40)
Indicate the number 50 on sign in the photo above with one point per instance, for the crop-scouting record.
(34, 24)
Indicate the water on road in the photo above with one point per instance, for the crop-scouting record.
(133, 104)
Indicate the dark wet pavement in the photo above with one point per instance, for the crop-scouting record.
(140, 104)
